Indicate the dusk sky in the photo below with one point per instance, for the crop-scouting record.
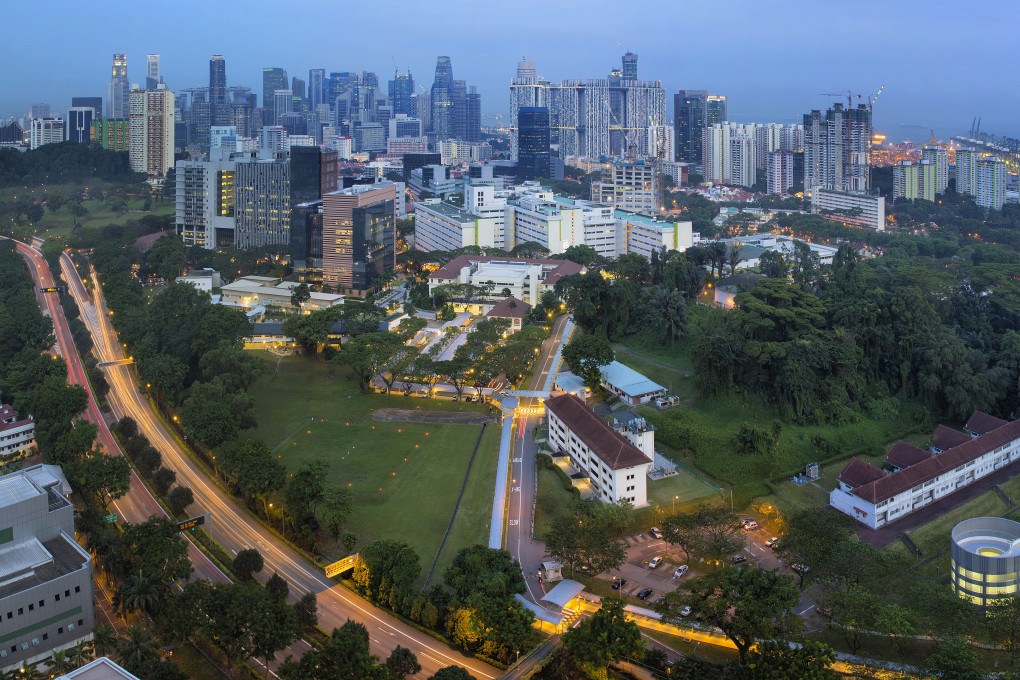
(941, 62)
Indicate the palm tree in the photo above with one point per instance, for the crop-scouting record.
(139, 593)
(29, 672)
(81, 653)
(137, 649)
(61, 663)
(104, 639)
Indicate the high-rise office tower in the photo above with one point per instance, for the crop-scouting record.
(262, 200)
(525, 92)
(39, 111)
(533, 142)
(219, 107)
(282, 102)
(939, 157)
(358, 235)
(152, 131)
(991, 183)
(94, 103)
(400, 90)
(273, 79)
(459, 97)
(473, 115)
(297, 86)
(153, 77)
(119, 90)
(442, 100)
(716, 109)
(837, 149)
(630, 66)
(316, 87)
(689, 124)
(205, 204)
(966, 171)
(78, 124)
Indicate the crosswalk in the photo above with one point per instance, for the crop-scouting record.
(533, 394)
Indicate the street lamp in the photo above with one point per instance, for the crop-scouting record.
(674, 503)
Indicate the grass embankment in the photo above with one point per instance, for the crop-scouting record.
(405, 476)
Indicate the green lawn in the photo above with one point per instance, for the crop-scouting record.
(933, 537)
(405, 476)
(551, 500)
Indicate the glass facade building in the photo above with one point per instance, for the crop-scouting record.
(533, 142)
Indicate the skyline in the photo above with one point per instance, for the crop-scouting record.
(576, 41)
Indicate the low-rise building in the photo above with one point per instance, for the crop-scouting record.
(642, 235)
(854, 209)
(16, 433)
(915, 478)
(523, 278)
(511, 309)
(616, 469)
(202, 279)
(100, 669)
(46, 600)
(253, 293)
(632, 387)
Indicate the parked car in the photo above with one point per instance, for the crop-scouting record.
(686, 611)
(655, 561)
(618, 583)
(800, 568)
(654, 531)
(827, 613)
(738, 559)
(750, 525)
(643, 593)
(771, 543)
(775, 544)
(680, 571)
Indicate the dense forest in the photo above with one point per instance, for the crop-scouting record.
(65, 162)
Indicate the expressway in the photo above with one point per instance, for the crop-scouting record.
(232, 527)
(138, 504)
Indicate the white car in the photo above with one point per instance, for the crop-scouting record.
(654, 531)
(750, 525)
(686, 611)
(655, 561)
(680, 571)
(772, 541)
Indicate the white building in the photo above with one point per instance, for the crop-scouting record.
(642, 234)
(991, 183)
(204, 213)
(850, 208)
(779, 172)
(46, 131)
(966, 171)
(441, 226)
(16, 433)
(344, 147)
(151, 116)
(632, 387)
(273, 138)
(202, 279)
(454, 151)
(729, 154)
(939, 157)
(252, 292)
(100, 669)
(629, 186)
(876, 497)
(616, 469)
(525, 278)
(222, 135)
(402, 145)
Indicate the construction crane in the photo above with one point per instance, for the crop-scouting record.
(849, 96)
(873, 99)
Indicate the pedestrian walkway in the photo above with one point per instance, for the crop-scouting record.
(533, 394)
(568, 330)
(499, 495)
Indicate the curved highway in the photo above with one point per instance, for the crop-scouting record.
(233, 528)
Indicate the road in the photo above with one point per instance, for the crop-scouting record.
(138, 504)
(233, 528)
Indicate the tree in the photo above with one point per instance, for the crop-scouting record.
(148, 460)
(311, 330)
(855, 611)
(337, 504)
(482, 570)
(179, 499)
(939, 611)
(452, 673)
(672, 312)
(391, 563)
(772, 660)
(582, 254)
(588, 535)
(247, 563)
(306, 489)
(34, 213)
(163, 479)
(954, 660)
(605, 637)
(107, 477)
(682, 530)
(586, 354)
(711, 530)
(277, 587)
(745, 604)
(401, 663)
(137, 650)
(104, 638)
(139, 593)
(306, 610)
(252, 467)
(369, 354)
(299, 294)
(897, 624)
(345, 656)
(213, 413)
(155, 548)
(812, 537)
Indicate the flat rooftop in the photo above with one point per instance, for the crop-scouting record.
(17, 488)
(30, 563)
(447, 210)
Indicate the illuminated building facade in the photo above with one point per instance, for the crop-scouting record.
(985, 560)
(358, 235)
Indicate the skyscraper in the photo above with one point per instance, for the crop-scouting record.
(630, 66)
(317, 87)
(837, 149)
(94, 103)
(716, 109)
(458, 96)
(966, 171)
(273, 79)
(152, 73)
(779, 172)
(152, 131)
(262, 201)
(282, 102)
(297, 86)
(473, 115)
(400, 90)
(219, 107)
(689, 123)
(358, 235)
(939, 157)
(46, 131)
(991, 183)
(525, 92)
(78, 124)
(119, 89)
(533, 142)
(442, 100)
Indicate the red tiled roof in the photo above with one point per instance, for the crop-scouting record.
(904, 455)
(981, 423)
(613, 448)
(858, 473)
(504, 310)
(890, 485)
(554, 269)
(945, 438)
